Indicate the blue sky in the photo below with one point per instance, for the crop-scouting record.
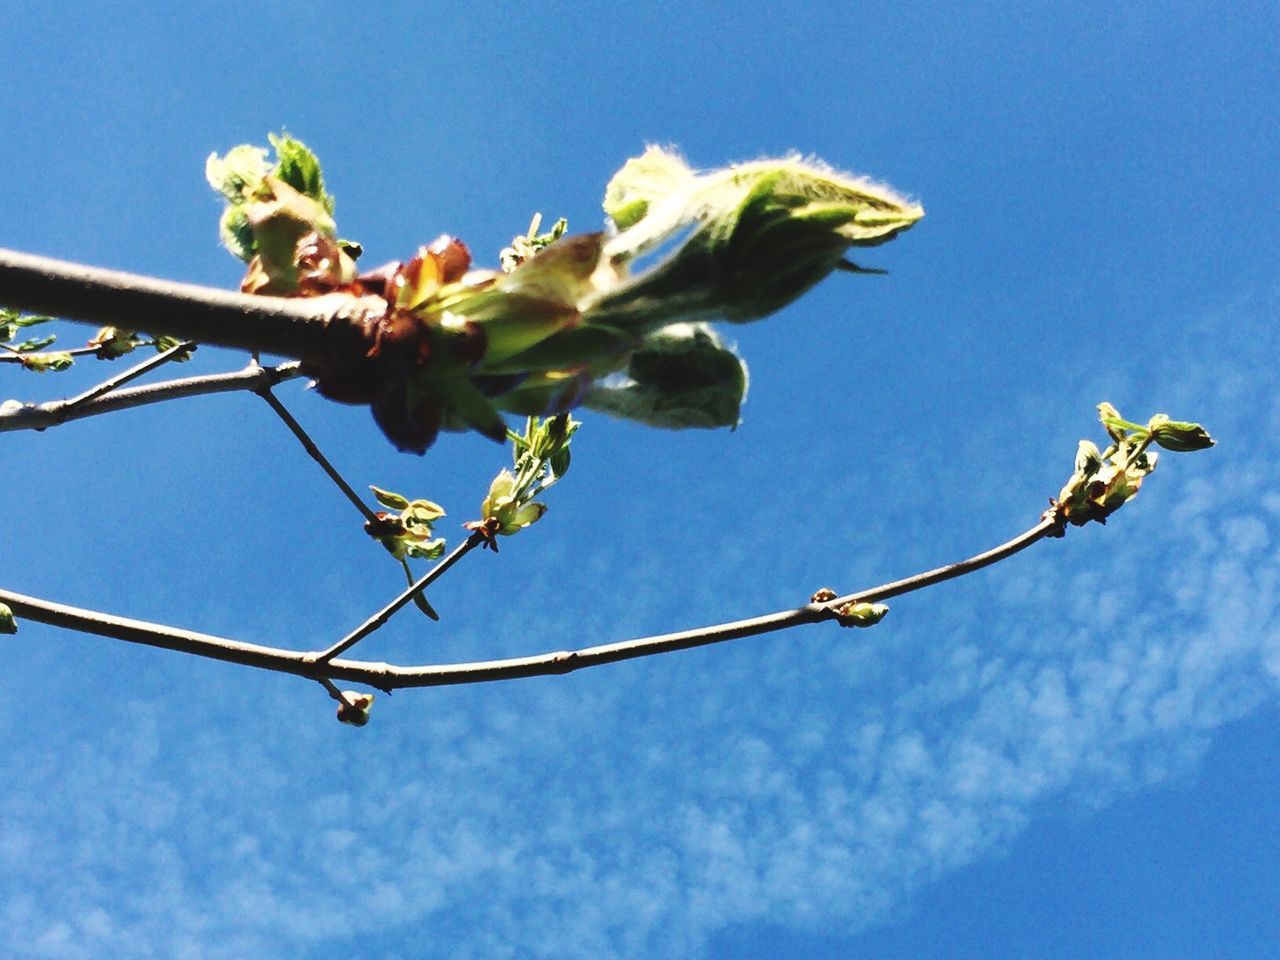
(1068, 755)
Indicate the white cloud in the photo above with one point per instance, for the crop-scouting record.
(812, 779)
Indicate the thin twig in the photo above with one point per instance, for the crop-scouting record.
(336, 693)
(120, 379)
(314, 451)
(13, 355)
(389, 677)
(40, 416)
(383, 615)
(277, 325)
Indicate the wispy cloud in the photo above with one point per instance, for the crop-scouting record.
(637, 810)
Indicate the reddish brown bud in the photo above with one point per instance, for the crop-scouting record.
(452, 255)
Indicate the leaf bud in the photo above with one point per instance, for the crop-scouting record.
(1088, 459)
(861, 614)
(1178, 435)
(355, 707)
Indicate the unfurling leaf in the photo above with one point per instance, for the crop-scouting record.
(1104, 482)
(113, 342)
(751, 237)
(682, 376)
(392, 501)
(1178, 436)
(238, 172)
(297, 166)
(44, 362)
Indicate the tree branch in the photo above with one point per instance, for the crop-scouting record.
(40, 416)
(314, 451)
(276, 325)
(414, 588)
(386, 676)
(127, 376)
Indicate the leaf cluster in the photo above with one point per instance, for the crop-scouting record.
(1105, 480)
(615, 319)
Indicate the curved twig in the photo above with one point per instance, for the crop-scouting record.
(40, 416)
(386, 676)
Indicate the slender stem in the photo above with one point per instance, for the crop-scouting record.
(314, 451)
(383, 615)
(952, 570)
(120, 379)
(389, 677)
(40, 416)
(18, 356)
(277, 325)
(335, 692)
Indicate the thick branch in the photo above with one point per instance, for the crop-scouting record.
(388, 677)
(284, 327)
(40, 416)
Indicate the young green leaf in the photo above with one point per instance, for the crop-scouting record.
(297, 166)
(390, 500)
(684, 376)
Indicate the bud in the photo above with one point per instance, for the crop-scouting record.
(1177, 435)
(446, 260)
(354, 710)
(502, 512)
(44, 362)
(861, 614)
(550, 436)
(1117, 427)
(1088, 459)
(112, 342)
(762, 234)
(279, 218)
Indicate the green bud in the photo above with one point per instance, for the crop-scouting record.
(7, 622)
(1178, 435)
(502, 506)
(547, 438)
(861, 614)
(297, 166)
(759, 235)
